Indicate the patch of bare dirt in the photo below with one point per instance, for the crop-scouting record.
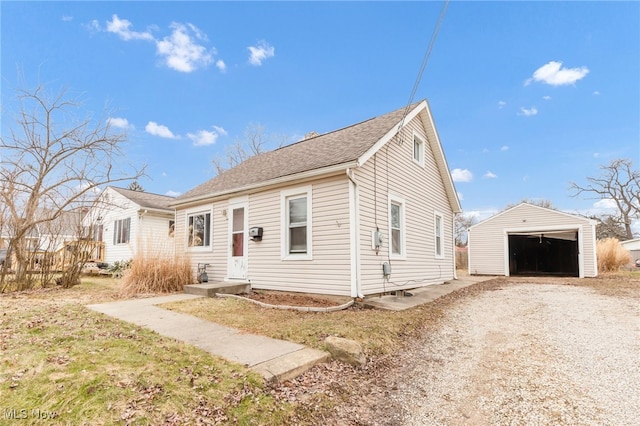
(295, 299)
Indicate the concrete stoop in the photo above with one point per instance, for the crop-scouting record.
(291, 365)
(210, 289)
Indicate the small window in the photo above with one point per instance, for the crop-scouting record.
(296, 238)
(418, 150)
(121, 231)
(396, 228)
(199, 230)
(172, 228)
(439, 236)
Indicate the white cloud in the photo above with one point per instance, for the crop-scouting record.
(553, 74)
(220, 130)
(121, 27)
(67, 18)
(501, 104)
(528, 112)
(490, 175)
(156, 129)
(546, 98)
(121, 123)
(181, 52)
(461, 175)
(485, 150)
(596, 93)
(172, 193)
(596, 155)
(163, 174)
(260, 52)
(605, 204)
(504, 148)
(221, 65)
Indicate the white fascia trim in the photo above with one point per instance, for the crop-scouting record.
(450, 187)
(390, 134)
(277, 181)
(284, 228)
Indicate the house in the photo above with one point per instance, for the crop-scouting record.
(51, 240)
(531, 240)
(130, 223)
(633, 247)
(362, 210)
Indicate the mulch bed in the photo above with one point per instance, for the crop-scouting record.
(294, 299)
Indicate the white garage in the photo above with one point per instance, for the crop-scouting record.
(531, 240)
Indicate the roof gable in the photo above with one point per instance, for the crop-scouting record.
(146, 199)
(340, 147)
(524, 206)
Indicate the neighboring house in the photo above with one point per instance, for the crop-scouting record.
(324, 215)
(633, 247)
(131, 223)
(49, 240)
(532, 240)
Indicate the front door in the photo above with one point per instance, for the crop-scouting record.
(237, 266)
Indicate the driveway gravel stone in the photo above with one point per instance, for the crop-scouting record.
(524, 354)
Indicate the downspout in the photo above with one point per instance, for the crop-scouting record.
(354, 226)
(453, 232)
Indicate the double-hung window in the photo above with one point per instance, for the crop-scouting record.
(397, 246)
(121, 231)
(418, 150)
(296, 224)
(439, 235)
(199, 229)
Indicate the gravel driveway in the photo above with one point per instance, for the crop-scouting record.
(524, 354)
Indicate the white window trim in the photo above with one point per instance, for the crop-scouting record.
(422, 149)
(437, 215)
(192, 212)
(304, 191)
(117, 229)
(403, 228)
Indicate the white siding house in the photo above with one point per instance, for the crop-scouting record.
(132, 222)
(331, 210)
(532, 240)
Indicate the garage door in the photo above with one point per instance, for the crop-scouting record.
(552, 253)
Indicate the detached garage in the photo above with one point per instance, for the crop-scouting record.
(532, 240)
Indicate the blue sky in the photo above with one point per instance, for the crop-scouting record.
(526, 96)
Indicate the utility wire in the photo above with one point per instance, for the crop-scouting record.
(436, 30)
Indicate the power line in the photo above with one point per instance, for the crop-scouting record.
(436, 30)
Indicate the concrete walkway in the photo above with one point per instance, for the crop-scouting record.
(275, 360)
(422, 295)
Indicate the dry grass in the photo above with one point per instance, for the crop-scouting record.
(157, 274)
(611, 255)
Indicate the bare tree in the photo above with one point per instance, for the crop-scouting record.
(540, 202)
(135, 186)
(620, 183)
(609, 227)
(462, 224)
(54, 161)
(255, 141)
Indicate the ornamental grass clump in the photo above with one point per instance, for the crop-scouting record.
(611, 255)
(157, 274)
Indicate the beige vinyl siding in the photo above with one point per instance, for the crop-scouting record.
(393, 171)
(152, 238)
(216, 254)
(328, 272)
(487, 239)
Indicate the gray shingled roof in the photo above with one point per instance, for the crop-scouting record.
(146, 199)
(338, 147)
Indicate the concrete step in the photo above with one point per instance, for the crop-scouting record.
(210, 289)
(291, 365)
